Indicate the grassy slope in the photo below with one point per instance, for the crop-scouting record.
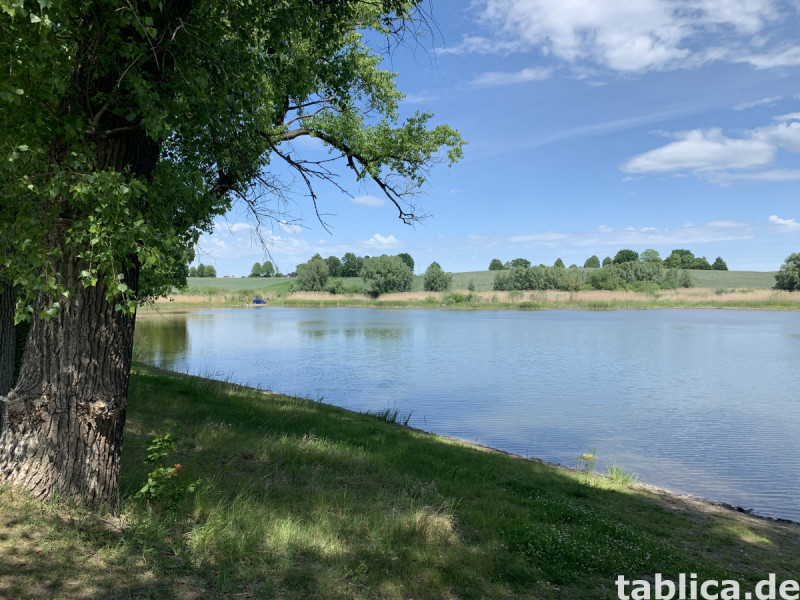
(483, 281)
(305, 500)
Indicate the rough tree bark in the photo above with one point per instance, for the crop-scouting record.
(7, 339)
(62, 423)
(61, 426)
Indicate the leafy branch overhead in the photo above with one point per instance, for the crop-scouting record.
(170, 113)
(126, 127)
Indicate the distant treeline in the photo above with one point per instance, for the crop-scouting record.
(635, 276)
(678, 259)
(383, 274)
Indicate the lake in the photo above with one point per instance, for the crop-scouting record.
(700, 402)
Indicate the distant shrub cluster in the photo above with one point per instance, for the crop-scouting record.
(637, 276)
(678, 259)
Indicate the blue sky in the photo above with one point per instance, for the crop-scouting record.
(593, 125)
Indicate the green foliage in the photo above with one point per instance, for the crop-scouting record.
(203, 271)
(126, 128)
(496, 265)
(624, 256)
(680, 259)
(650, 255)
(339, 287)
(406, 258)
(519, 263)
(592, 262)
(559, 264)
(267, 269)
(351, 265)
(788, 277)
(607, 261)
(334, 266)
(312, 276)
(166, 274)
(719, 264)
(162, 484)
(538, 278)
(701, 264)
(387, 274)
(621, 475)
(435, 279)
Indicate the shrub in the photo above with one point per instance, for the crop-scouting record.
(592, 263)
(496, 265)
(387, 274)
(788, 278)
(436, 280)
(312, 275)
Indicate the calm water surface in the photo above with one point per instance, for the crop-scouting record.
(703, 402)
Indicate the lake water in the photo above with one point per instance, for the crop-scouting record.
(702, 402)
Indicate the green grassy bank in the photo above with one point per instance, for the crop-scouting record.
(297, 499)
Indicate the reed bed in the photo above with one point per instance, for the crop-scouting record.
(523, 300)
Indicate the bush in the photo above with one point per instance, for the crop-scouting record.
(338, 287)
(788, 278)
(625, 256)
(436, 280)
(312, 275)
(387, 274)
(496, 265)
(406, 258)
(592, 263)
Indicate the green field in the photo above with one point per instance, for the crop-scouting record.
(295, 499)
(734, 279)
(483, 281)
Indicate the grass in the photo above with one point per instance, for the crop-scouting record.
(715, 289)
(304, 500)
(753, 298)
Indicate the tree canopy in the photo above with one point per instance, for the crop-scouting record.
(126, 129)
(625, 255)
(788, 277)
(387, 274)
(435, 279)
(496, 265)
(592, 262)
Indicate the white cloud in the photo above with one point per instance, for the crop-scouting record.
(703, 150)
(419, 97)
(787, 225)
(379, 240)
(788, 117)
(713, 231)
(754, 103)
(639, 36)
(368, 200)
(772, 175)
(482, 45)
(786, 58)
(710, 154)
(496, 78)
(290, 228)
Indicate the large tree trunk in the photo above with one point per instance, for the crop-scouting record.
(62, 424)
(8, 338)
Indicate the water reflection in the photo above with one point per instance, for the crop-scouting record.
(163, 339)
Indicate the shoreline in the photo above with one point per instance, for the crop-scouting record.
(664, 493)
(699, 298)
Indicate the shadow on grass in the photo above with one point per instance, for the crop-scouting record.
(304, 500)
